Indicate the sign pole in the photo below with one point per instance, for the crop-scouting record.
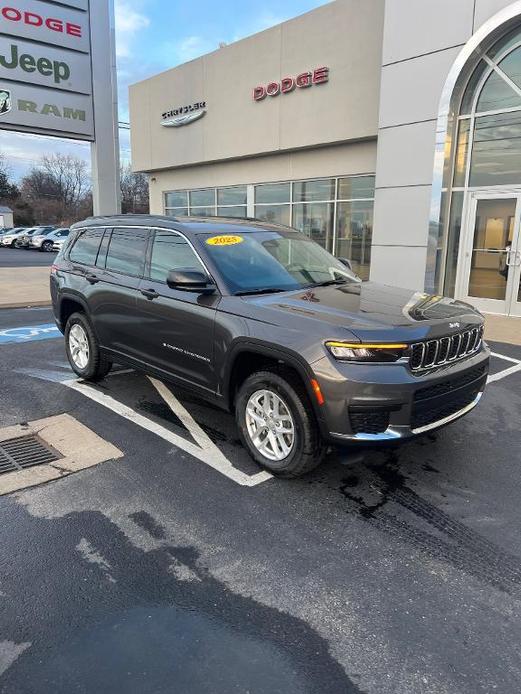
(106, 189)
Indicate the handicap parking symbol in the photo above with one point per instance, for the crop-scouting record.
(29, 333)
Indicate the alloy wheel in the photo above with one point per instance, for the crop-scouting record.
(79, 346)
(270, 425)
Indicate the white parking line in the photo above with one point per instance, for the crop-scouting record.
(208, 453)
(504, 373)
(503, 356)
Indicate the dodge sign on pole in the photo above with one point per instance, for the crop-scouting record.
(57, 77)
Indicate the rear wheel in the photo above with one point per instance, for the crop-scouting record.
(83, 350)
(277, 425)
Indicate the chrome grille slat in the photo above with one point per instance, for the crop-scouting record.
(443, 350)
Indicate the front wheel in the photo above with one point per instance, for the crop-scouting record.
(46, 246)
(277, 425)
(83, 352)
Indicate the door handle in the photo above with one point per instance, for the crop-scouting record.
(92, 278)
(149, 293)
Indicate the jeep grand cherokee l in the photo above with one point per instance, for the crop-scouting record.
(262, 321)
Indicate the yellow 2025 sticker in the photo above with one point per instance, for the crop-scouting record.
(225, 240)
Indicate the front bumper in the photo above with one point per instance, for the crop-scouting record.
(388, 402)
(35, 244)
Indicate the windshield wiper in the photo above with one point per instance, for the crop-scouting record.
(261, 290)
(327, 283)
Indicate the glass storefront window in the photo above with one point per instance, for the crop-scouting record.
(235, 211)
(275, 214)
(272, 192)
(354, 233)
(315, 220)
(313, 209)
(511, 66)
(496, 151)
(470, 91)
(356, 187)
(204, 197)
(320, 189)
(202, 211)
(460, 163)
(497, 94)
(178, 198)
(453, 238)
(233, 195)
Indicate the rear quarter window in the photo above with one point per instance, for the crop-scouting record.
(86, 246)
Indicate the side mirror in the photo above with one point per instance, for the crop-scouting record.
(189, 281)
(347, 263)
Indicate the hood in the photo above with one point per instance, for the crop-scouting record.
(373, 311)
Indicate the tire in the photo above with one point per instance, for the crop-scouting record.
(307, 449)
(46, 246)
(96, 365)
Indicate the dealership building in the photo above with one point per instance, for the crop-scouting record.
(389, 131)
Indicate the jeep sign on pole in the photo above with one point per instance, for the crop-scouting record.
(57, 77)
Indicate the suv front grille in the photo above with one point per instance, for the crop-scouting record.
(426, 355)
(452, 384)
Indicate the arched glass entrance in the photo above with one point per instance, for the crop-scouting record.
(482, 261)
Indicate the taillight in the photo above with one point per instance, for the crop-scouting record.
(54, 269)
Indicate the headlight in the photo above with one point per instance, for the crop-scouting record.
(356, 351)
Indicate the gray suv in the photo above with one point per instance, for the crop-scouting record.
(260, 320)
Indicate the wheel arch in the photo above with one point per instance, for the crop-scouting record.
(248, 356)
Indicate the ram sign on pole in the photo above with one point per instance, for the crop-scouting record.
(57, 77)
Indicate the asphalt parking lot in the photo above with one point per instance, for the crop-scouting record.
(180, 567)
(20, 257)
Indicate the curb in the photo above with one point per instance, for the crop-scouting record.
(27, 304)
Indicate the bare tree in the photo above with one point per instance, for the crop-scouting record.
(8, 190)
(134, 191)
(58, 189)
(70, 175)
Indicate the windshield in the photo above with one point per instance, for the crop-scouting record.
(273, 261)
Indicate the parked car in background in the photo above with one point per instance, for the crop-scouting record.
(58, 244)
(24, 239)
(44, 241)
(10, 238)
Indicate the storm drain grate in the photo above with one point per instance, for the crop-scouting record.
(23, 452)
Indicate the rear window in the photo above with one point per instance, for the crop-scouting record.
(86, 247)
(126, 252)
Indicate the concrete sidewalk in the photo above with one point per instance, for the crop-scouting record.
(24, 286)
(503, 329)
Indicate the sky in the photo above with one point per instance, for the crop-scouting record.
(152, 36)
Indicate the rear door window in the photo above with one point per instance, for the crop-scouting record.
(127, 250)
(86, 246)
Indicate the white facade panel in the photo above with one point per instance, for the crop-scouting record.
(405, 155)
(400, 214)
(485, 9)
(399, 266)
(410, 91)
(416, 27)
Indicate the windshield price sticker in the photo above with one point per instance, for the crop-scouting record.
(224, 240)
